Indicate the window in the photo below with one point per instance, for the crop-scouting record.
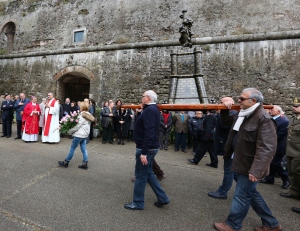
(78, 36)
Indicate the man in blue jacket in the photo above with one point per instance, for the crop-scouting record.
(7, 116)
(282, 132)
(145, 135)
(19, 107)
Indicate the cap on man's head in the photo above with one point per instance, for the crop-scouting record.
(165, 111)
(296, 103)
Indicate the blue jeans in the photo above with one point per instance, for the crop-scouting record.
(245, 195)
(180, 138)
(227, 178)
(144, 174)
(75, 142)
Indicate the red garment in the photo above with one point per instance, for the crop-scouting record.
(166, 117)
(30, 121)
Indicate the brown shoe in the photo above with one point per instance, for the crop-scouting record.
(223, 227)
(264, 228)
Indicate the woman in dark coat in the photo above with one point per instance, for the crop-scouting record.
(122, 119)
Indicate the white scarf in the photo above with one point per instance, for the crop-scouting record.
(242, 114)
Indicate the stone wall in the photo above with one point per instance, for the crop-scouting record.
(46, 26)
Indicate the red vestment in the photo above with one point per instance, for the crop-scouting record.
(30, 121)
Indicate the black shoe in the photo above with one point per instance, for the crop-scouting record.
(212, 165)
(17, 138)
(192, 161)
(103, 142)
(7, 136)
(64, 163)
(84, 165)
(3, 136)
(132, 206)
(110, 142)
(266, 181)
(160, 204)
(287, 195)
(217, 195)
(176, 150)
(296, 210)
(285, 184)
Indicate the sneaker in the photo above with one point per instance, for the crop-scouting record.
(64, 163)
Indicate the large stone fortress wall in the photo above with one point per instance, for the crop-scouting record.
(128, 43)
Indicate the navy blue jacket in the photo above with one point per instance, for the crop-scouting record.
(282, 132)
(222, 132)
(7, 110)
(196, 126)
(146, 129)
(19, 108)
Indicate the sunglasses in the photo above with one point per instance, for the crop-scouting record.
(242, 98)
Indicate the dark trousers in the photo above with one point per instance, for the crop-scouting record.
(164, 138)
(204, 146)
(91, 135)
(157, 170)
(19, 128)
(6, 127)
(180, 139)
(108, 133)
(276, 167)
(130, 135)
(189, 139)
(196, 142)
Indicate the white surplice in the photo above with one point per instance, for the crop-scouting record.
(54, 135)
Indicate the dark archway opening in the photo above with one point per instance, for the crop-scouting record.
(75, 86)
(7, 36)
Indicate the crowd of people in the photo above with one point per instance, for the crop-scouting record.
(252, 141)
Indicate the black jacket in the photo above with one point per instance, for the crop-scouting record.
(196, 126)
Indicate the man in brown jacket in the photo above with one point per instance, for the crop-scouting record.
(180, 121)
(251, 139)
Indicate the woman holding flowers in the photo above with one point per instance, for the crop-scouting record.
(80, 132)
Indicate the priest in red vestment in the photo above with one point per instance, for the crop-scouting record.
(30, 120)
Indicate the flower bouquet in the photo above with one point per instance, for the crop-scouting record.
(68, 122)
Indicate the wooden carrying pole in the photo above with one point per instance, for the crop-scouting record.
(192, 107)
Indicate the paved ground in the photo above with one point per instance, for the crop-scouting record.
(36, 194)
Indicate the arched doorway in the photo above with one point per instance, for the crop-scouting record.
(8, 35)
(74, 83)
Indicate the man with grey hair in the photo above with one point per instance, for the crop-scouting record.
(19, 106)
(145, 135)
(276, 167)
(251, 139)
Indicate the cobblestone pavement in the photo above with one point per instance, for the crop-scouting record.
(36, 194)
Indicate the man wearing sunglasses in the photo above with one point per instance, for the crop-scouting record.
(293, 154)
(251, 140)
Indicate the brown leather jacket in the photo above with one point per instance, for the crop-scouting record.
(255, 144)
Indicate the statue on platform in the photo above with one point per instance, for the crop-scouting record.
(186, 31)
